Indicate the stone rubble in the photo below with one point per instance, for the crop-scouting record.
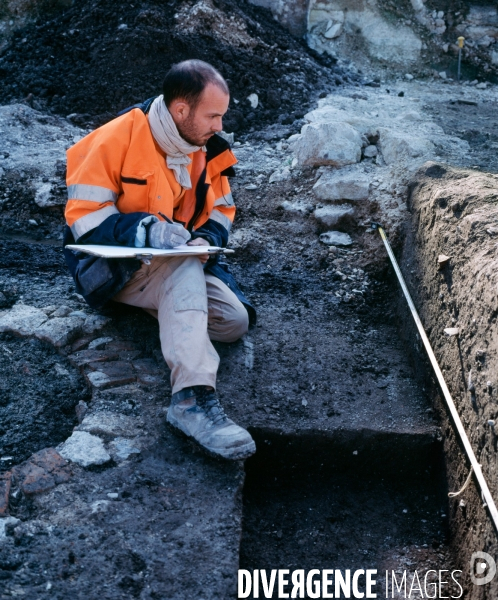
(109, 424)
(27, 321)
(84, 449)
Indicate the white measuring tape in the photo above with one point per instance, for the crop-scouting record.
(476, 467)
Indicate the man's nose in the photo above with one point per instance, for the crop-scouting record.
(217, 125)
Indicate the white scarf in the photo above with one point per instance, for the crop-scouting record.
(166, 134)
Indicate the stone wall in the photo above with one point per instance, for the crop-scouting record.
(417, 34)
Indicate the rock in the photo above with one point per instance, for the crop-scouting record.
(442, 259)
(3, 300)
(370, 152)
(99, 342)
(81, 410)
(281, 175)
(85, 357)
(253, 100)
(332, 216)
(110, 374)
(409, 77)
(397, 146)
(418, 5)
(300, 207)
(451, 331)
(341, 185)
(5, 479)
(48, 310)
(110, 424)
(44, 198)
(6, 524)
(62, 311)
(336, 144)
(94, 323)
(84, 449)
(377, 36)
(59, 330)
(336, 238)
(481, 86)
(22, 319)
(121, 449)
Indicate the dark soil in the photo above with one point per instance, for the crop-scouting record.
(325, 512)
(38, 392)
(100, 56)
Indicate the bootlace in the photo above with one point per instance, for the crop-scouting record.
(210, 403)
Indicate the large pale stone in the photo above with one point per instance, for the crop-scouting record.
(336, 238)
(22, 319)
(59, 330)
(110, 424)
(84, 449)
(338, 185)
(397, 146)
(336, 144)
(332, 216)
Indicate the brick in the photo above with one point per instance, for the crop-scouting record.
(129, 354)
(35, 480)
(49, 459)
(110, 374)
(42, 472)
(119, 345)
(84, 357)
(148, 371)
(4, 493)
(80, 343)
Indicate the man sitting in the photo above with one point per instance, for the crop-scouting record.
(158, 176)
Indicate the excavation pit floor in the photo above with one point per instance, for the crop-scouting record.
(325, 506)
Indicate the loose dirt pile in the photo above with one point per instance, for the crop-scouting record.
(100, 56)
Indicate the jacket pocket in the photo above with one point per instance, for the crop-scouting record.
(92, 273)
(136, 186)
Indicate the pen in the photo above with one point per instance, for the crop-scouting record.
(166, 218)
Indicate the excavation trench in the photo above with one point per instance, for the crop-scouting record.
(348, 501)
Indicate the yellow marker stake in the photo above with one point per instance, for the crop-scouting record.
(461, 41)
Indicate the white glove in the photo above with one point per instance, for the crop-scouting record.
(167, 235)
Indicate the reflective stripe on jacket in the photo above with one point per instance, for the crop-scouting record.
(120, 169)
(119, 183)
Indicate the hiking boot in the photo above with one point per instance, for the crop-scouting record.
(197, 412)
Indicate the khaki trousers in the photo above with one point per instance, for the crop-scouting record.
(192, 309)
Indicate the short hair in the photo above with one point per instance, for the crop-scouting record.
(188, 79)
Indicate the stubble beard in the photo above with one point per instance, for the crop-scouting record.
(190, 133)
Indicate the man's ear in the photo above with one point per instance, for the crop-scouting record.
(179, 110)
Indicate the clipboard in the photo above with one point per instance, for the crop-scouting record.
(145, 253)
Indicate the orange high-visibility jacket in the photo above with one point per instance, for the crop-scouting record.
(119, 183)
(120, 169)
